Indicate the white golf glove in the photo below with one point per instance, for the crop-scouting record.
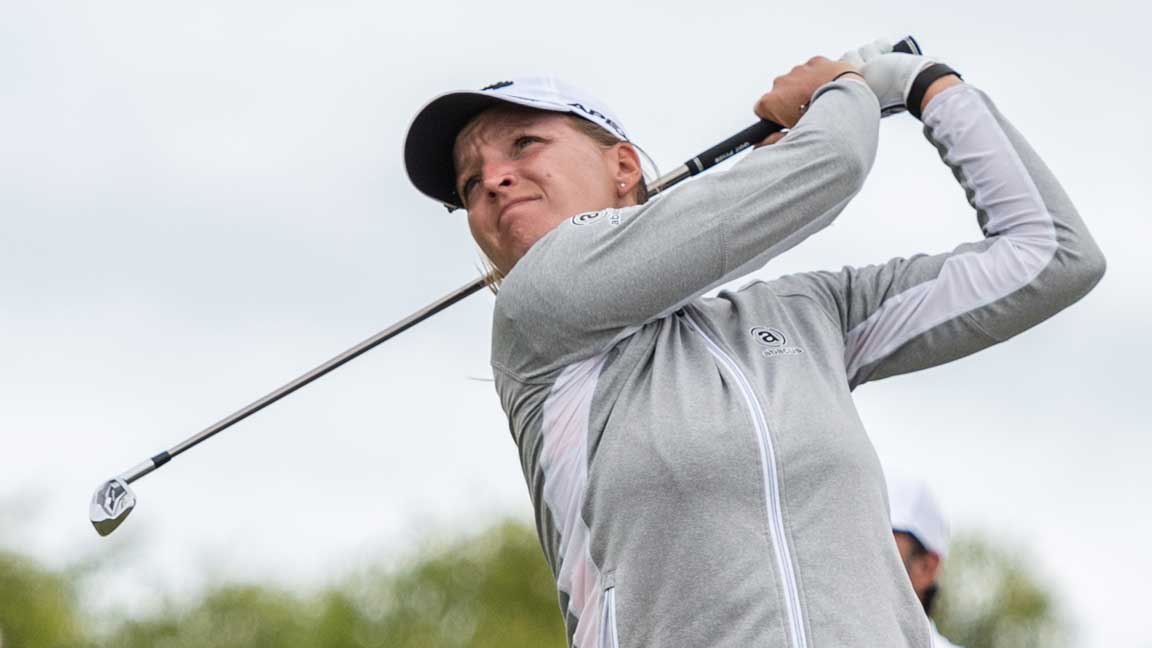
(889, 74)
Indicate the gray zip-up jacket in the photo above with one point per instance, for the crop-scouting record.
(699, 472)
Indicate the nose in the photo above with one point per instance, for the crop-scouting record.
(498, 175)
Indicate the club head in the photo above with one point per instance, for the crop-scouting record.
(111, 503)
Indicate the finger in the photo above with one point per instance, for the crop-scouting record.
(771, 139)
(773, 108)
(879, 46)
(872, 51)
(765, 107)
(761, 107)
(853, 58)
(865, 53)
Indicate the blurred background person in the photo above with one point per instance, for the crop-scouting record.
(922, 534)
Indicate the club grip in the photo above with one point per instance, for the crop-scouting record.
(759, 131)
(749, 136)
(907, 45)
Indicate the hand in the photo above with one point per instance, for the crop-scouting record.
(889, 74)
(790, 94)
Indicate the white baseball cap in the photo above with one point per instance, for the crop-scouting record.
(914, 510)
(432, 135)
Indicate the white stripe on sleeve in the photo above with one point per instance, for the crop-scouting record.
(1002, 188)
(564, 461)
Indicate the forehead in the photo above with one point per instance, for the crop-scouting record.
(500, 122)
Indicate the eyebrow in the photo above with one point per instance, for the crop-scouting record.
(466, 163)
(464, 167)
(489, 132)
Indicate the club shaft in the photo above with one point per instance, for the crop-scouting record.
(136, 472)
(333, 364)
(145, 467)
(705, 160)
(746, 138)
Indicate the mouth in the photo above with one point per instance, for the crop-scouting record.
(512, 203)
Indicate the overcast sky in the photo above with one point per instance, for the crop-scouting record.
(201, 202)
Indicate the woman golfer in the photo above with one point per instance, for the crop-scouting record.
(699, 472)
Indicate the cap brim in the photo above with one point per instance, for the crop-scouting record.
(431, 138)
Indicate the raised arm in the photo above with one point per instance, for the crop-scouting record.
(1036, 257)
(598, 277)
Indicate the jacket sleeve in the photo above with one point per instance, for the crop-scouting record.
(1036, 257)
(600, 276)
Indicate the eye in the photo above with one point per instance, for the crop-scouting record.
(469, 185)
(523, 141)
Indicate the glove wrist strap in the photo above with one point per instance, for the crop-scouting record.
(920, 86)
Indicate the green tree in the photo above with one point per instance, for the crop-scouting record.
(38, 608)
(486, 591)
(490, 591)
(233, 616)
(991, 597)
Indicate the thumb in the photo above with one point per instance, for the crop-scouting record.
(876, 48)
(866, 53)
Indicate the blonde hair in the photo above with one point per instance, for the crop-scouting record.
(593, 131)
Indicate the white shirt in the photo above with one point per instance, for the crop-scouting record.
(938, 640)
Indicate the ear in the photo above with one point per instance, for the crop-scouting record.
(628, 172)
(932, 564)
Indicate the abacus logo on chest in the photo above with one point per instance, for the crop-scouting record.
(774, 340)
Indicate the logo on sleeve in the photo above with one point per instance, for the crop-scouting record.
(774, 341)
(588, 218)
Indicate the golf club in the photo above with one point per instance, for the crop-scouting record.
(114, 499)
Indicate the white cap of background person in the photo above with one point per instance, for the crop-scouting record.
(432, 135)
(915, 511)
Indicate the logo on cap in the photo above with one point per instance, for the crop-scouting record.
(496, 86)
(597, 115)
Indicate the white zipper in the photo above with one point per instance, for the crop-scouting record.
(771, 487)
(608, 636)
